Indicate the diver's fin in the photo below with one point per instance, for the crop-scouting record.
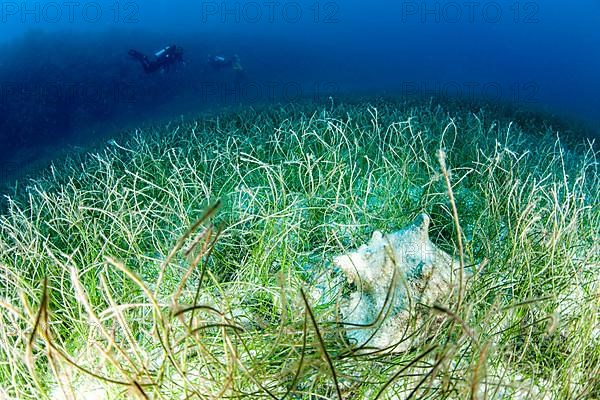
(136, 54)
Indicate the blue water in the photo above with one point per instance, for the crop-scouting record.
(66, 78)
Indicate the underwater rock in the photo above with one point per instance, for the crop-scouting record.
(397, 277)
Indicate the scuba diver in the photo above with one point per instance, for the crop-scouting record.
(163, 59)
(220, 62)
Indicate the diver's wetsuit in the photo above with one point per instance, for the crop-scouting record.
(163, 60)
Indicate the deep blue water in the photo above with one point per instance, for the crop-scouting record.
(66, 78)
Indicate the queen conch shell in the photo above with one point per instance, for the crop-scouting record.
(397, 276)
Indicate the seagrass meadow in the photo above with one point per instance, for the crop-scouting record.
(194, 259)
